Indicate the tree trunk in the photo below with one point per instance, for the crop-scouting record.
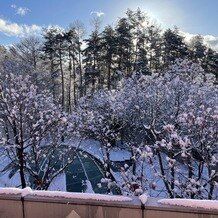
(74, 81)
(109, 77)
(20, 155)
(52, 77)
(69, 87)
(80, 72)
(133, 162)
(62, 80)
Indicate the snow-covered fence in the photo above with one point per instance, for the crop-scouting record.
(44, 204)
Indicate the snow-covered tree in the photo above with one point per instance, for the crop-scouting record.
(179, 150)
(33, 129)
(147, 114)
(97, 119)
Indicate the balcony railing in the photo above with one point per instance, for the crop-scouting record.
(30, 206)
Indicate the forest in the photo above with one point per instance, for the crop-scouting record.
(132, 86)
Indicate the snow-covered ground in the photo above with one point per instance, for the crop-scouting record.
(4, 177)
(89, 188)
(93, 147)
(59, 183)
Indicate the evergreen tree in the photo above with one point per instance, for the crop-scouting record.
(139, 22)
(49, 56)
(55, 49)
(211, 63)
(108, 46)
(80, 31)
(61, 49)
(72, 50)
(92, 58)
(173, 46)
(124, 40)
(154, 46)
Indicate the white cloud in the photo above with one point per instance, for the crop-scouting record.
(20, 10)
(13, 6)
(209, 40)
(20, 30)
(98, 13)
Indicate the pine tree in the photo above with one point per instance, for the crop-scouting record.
(108, 46)
(124, 41)
(198, 49)
(139, 22)
(72, 48)
(55, 50)
(61, 51)
(49, 56)
(211, 63)
(154, 46)
(80, 31)
(173, 46)
(92, 58)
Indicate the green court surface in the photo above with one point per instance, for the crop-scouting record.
(84, 167)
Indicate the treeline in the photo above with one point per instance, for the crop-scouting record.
(72, 66)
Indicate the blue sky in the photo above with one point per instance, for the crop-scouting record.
(21, 17)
